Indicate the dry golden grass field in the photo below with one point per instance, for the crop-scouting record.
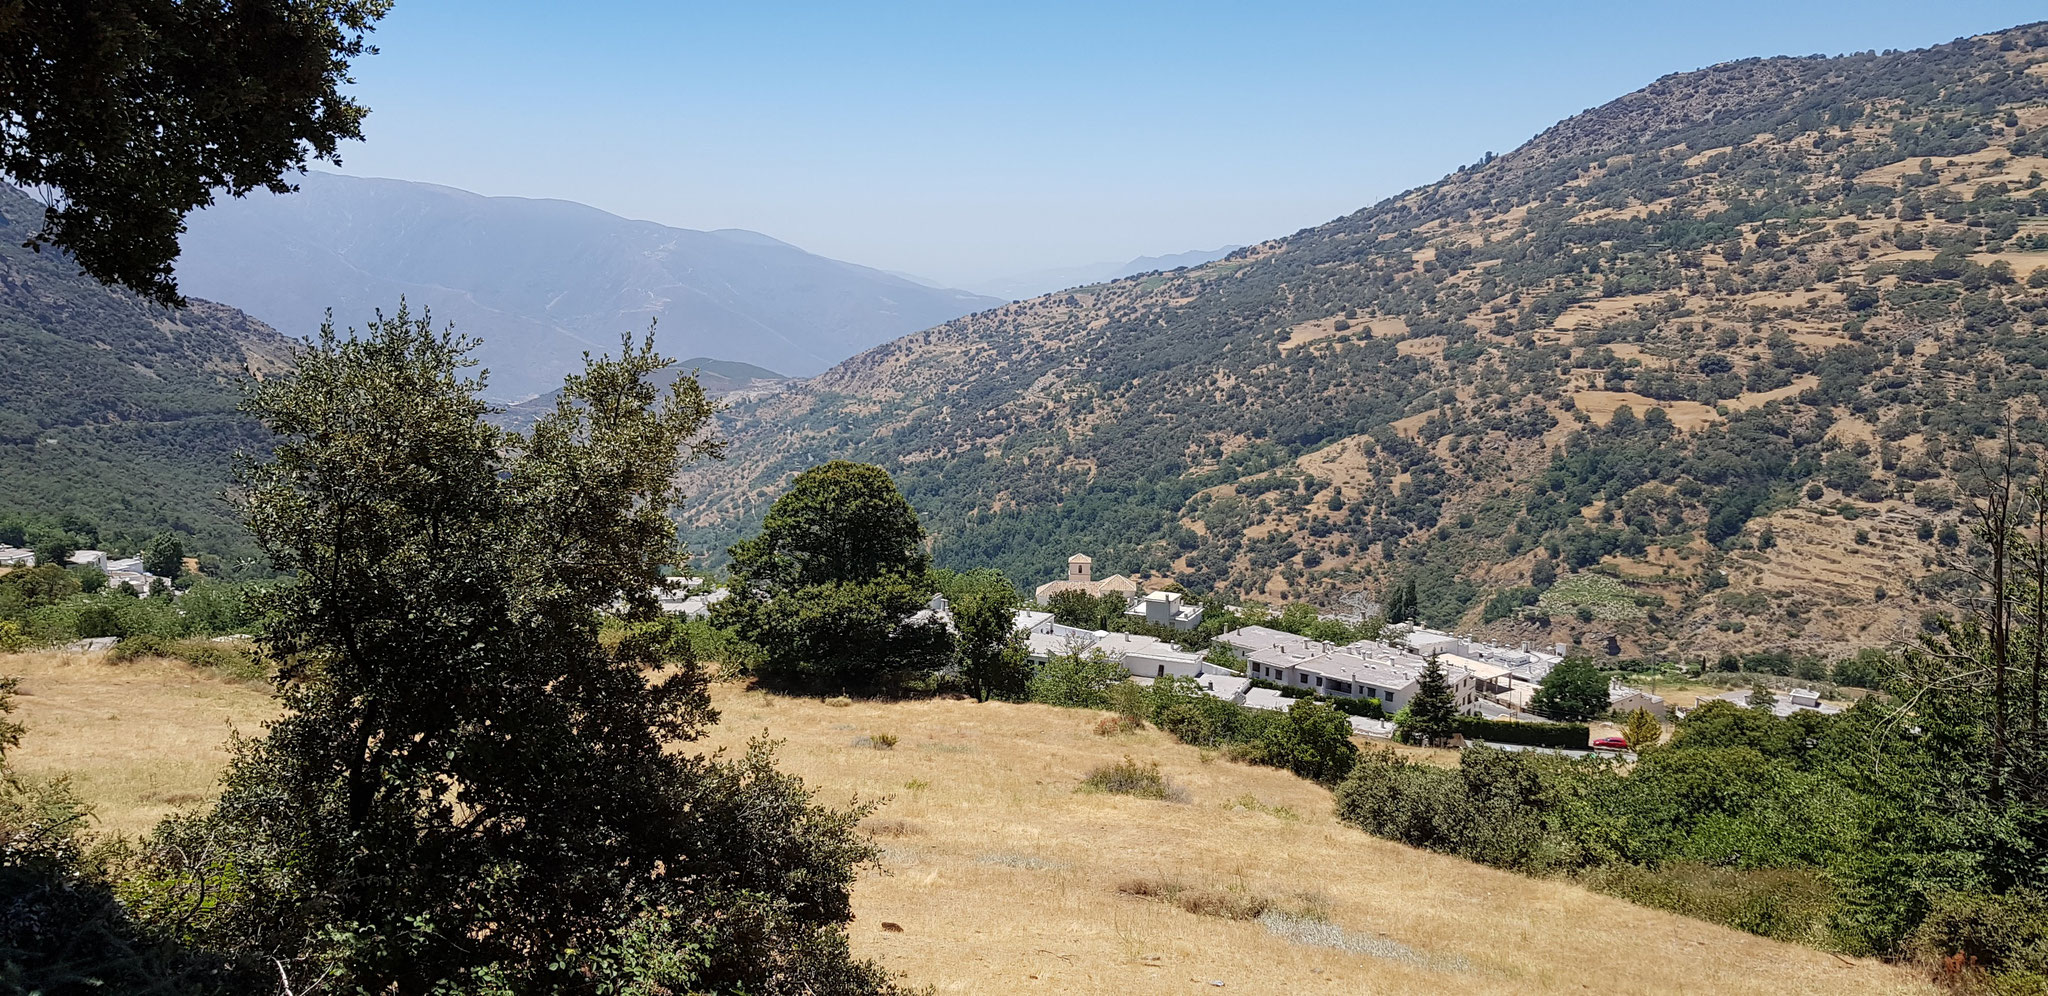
(138, 740)
(1000, 877)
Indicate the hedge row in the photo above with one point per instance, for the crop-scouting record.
(1501, 731)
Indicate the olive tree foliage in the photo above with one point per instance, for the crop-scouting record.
(467, 792)
(833, 587)
(127, 115)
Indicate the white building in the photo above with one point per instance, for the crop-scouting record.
(1250, 639)
(1524, 663)
(1166, 608)
(95, 559)
(1361, 670)
(1624, 700)
(1149, 656)
(14, 556)
(1228, 687)
(1797, 700)
(686, 597)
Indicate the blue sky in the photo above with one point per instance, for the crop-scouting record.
(968, 141)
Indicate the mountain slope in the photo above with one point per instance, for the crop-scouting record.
(724, 379)
(1038, 282)
(540, 281)
(115, 409)
(1800, 276)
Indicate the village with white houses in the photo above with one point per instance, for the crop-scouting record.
(1260, 667)
(125, 573)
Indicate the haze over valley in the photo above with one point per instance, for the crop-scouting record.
(540, 281)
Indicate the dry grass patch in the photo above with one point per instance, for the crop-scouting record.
(1012, 886)
(999, 877)
(1227, 904)
(139, 739)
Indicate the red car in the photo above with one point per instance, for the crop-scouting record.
(1611, 743)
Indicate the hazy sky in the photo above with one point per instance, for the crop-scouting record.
(965, 141)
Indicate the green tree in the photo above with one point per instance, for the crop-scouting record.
(133, 113)
(56, 550)
(1642, 729)
(991, 655)
(468, 791)
(1078, 681)
(164, 556)
(1761, 697)
(1310, 739)
(1573, 692)
(1076, 608)
(1401, 603)
(831, 587)
(1432, 715)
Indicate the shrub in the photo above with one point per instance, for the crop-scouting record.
(1503, 731)
(135, 647)
(232, 660)
(877, 741)
(1368, 708)
(1998, 935)
(839, 702)
(1790, 904)
(1127, 700)
(95, 621)
(1128, 777)
(1310, 739)
(1077, 681)
(1110, 726)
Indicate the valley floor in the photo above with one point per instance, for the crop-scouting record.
(1000, 877)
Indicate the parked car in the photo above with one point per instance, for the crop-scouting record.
(1611, 743)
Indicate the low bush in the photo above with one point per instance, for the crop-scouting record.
(1367, 708)
(1789, 904)
(1078, 681)
(1129, 777)
(1225, 904)
(232, 660)
(1110, 726)
(1504, 731)
(877, 741)
(1964, 932)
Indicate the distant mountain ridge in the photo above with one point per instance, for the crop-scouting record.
(1028, 285)
(540, 281)
(719, 378)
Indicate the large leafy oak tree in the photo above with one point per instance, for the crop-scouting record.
(833, 587)
(468, 792)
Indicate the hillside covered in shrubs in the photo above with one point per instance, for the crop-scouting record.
(1719, 340)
